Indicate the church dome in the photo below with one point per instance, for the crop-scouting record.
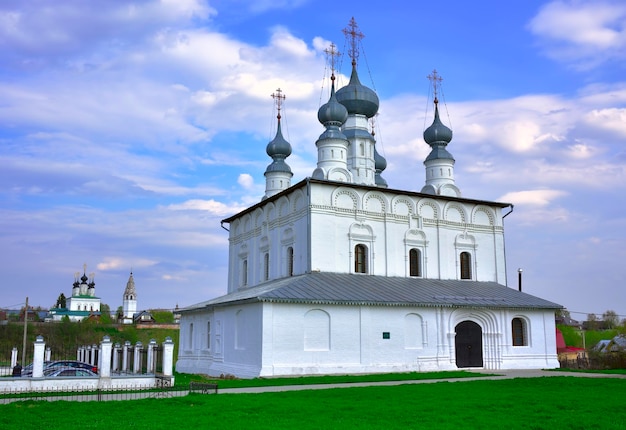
(357, 98)
(278, 146)
(380, 163)
(332, 112)
(437, 132)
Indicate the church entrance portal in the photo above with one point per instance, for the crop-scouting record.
(468, 344)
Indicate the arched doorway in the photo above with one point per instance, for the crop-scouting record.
(468, 344)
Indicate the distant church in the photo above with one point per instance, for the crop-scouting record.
(83, 303)
(129, 301)
(339, 273)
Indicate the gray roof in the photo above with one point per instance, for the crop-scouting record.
(354, 289)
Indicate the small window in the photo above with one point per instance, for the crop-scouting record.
(244, 273)
(290, 261)
(415, 267)
(360, 259)
(518, 327)
(466, 265)
(266, 266)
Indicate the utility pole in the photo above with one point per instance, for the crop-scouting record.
(25, 332)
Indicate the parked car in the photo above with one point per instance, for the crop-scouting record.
(28, 369)
(60, 364)
(71, 372)
(69, 364)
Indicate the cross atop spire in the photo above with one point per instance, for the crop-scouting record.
(331, 55)
(354, 35)
(278, 97)
(435, 79)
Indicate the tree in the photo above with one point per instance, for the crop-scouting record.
(563, 313)
(105, 314)
(592, 322)
(611, 320)
(61, 301)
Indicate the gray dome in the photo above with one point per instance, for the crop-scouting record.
(332, 112)
(357, 98)
(437, 132)
(380, 163)
(278, 146)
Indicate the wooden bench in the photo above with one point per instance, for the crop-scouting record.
(202, 387)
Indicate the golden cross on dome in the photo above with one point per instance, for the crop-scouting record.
(331, 54)
(278, 97)
(435, 79)
(354, 34)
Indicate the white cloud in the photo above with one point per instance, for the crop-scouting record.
(533, 197)
(584, 33)
(115, 263)
(611, 119)
(212, 206)
(245, 180)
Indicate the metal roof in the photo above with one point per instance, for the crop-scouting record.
(356, 289)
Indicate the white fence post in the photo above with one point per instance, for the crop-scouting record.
(168, 357)
(137, 361)
(150, 368)
(40, 346)
(116, 358)
(48, 354)
(13, 357)
(93, 360)
(125, 364)
(104, 360)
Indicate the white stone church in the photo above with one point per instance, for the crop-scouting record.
(339, 273)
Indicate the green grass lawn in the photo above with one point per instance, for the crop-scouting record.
(533, 403)
(183, 379)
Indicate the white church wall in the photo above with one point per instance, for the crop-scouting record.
(224, 341)
(383, 339)
(270, 229)
(304, 339)
(340, 217)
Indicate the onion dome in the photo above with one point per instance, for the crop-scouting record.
(84, 279)
(278, 149)
(279, 146)
(380, 164)
(332, 112)
(357, 98)
(438, 136)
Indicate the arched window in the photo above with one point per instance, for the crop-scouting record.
(290, 261)
(266, 266)
(466, 265)
(415, 266)
(244, 273)
(360, 259)
(518, 328)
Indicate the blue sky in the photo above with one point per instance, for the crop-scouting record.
(128, 130)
